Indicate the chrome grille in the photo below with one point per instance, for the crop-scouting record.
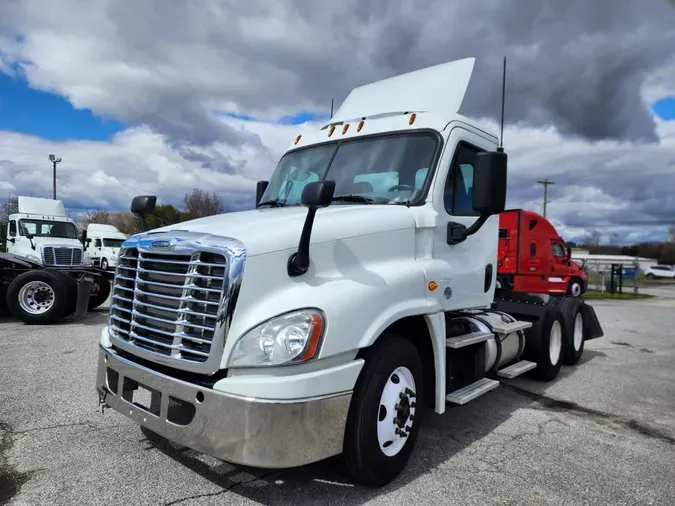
(168, 304)
(56, 256)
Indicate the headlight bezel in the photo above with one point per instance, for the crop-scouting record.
(250, 340)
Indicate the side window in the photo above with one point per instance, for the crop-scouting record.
(12, 228)
(533, 249)
(458, 194)
(558, 250)
(98, 243)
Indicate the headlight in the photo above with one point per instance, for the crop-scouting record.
(290, 338)
(87, 262)
(33, 258)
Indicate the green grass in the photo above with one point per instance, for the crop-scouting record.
(626, 295)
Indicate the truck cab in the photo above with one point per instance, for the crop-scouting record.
(102, 244)
(533, 258)
(360, 290)
(42, 233)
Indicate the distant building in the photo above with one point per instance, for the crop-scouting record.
(582, 256)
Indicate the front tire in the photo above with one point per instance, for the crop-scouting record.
(37, 298)
(104, 264)
(575, 288)
(384, 419)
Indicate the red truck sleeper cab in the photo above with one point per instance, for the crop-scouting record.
(532, 256)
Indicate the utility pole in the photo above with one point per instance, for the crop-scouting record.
(545, 183)
(54, 161)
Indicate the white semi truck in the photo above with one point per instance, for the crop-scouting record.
(44, 276)
(359, 291)
(102, 243)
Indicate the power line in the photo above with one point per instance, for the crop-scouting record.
(545, 183)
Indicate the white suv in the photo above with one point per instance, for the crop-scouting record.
(660, 271)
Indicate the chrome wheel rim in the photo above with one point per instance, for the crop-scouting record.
(36, 297)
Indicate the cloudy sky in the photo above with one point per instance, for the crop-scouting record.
(162, 96)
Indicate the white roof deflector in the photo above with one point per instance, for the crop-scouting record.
(439, 89)
(36, 205)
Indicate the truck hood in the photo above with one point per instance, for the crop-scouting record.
(269, 230)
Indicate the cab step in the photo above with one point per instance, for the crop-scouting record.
(516, 369)
(508, 328)
(470, 392)
(467, 339)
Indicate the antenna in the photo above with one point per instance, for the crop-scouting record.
(332, 100)
(500, 149)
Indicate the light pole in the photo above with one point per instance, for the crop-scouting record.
(54, 161)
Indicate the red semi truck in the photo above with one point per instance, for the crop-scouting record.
(533, 258)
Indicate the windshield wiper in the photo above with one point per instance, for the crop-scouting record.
(353, 198)
(273, 203)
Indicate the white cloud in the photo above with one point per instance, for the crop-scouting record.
(580, 78)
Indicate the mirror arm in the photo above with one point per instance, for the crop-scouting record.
(457, 232)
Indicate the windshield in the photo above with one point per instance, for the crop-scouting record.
(42, 228)
(384, 170)
(113, 243)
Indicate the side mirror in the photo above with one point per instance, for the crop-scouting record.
(489, 182)
(318, 194)
(569, 252)
(314, 196)
(143, 205)
(260, 191)
(12, 240)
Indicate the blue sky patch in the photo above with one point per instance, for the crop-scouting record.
(47, 115)
(290, 119)
(665, 108)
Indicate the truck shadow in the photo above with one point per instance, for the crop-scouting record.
(460, 429)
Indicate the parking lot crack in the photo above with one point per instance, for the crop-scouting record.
(557, 405)
(220, 492)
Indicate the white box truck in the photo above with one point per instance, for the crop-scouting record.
(102, 244)
(359, 291)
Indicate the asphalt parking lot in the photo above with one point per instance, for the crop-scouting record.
(602, 433)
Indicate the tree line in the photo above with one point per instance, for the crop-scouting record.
(198, 204)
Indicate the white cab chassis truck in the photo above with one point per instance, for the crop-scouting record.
(102, 244)
(44, 276)
(359, 291)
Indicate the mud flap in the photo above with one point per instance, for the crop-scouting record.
(592, 328)
(84, 287)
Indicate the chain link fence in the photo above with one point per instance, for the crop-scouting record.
(612, 277)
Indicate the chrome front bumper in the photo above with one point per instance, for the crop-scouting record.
(242, 430)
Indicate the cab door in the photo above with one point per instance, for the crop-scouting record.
(465, 272)
(11, 237)
(558, 278)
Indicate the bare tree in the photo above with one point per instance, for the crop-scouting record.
(593, 239)
(102, 217)
(671, 233)
(10, 206)
(200, 203)
(126, 222)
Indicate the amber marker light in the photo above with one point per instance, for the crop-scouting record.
(360, 126)
(345, 128)
(331, 130)
(413, 116)
(317, 329)
(433, 285)
(297, 139)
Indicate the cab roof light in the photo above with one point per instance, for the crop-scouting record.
(360, 126)
(413, 116)
(345, 128)
(331, 130)
(297, 139)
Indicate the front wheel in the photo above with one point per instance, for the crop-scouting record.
(649, 276)
(95, 300)
(384, 418)
(104, 264)
(575, 288)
